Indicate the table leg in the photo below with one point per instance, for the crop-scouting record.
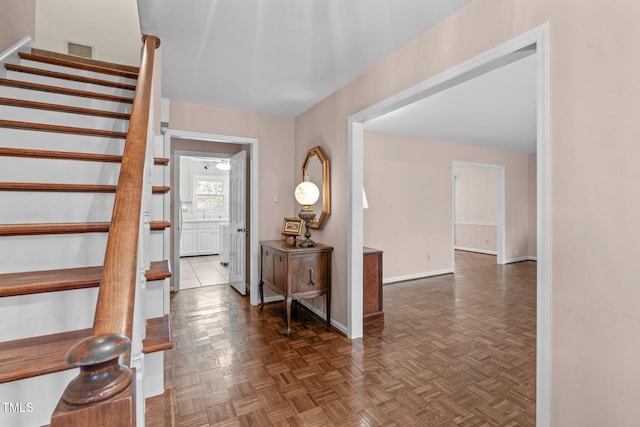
(261, 291)
(288, 310)
(327, 298)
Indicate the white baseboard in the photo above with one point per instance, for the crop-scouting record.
(322, 315)
(416, 276)
(273, 298)
(520, 259)
(313, 309)
(480, 251)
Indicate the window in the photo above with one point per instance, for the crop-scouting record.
(209, 194)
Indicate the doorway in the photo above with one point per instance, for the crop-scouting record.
(202, 191)
(478, 227)
(535, 40)
(199, 144)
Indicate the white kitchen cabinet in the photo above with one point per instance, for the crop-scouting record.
(208, 240)
(188, 239)
(200, 238)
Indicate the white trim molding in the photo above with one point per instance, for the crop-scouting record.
(11, 54)
(254, 247)
(517, 259)
(535, 40)
(390, 280)
(480, 251)
(321, 314)
(484, 224)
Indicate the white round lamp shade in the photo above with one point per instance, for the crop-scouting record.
(307, 193)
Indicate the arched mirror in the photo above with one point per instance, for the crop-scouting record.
(316, 167)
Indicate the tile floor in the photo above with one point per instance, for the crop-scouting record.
(199, 271)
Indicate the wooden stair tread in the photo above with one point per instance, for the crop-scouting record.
(76, 188)
(69, 155)
(21, 103)
(158, 335)
(71, 77)
(65, 91)
(73, 62)
(34, 282)
(59, 155)
(158, 270)
(41, 127)
(30, 357)
(66, 228)
(76, 58)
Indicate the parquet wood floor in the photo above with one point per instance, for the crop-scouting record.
(450, 351)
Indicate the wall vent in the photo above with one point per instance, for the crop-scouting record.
(79, 49)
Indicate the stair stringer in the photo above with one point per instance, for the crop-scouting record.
(11, 55)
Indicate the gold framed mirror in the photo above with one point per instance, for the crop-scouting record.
(316, 167)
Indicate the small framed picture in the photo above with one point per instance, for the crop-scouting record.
(292, 226)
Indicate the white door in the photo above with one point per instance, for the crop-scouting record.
(237, 223)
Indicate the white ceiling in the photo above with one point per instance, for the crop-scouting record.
(278, 56)
(281, 57)
(494, 110)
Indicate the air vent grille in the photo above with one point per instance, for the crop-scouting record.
(79, 49)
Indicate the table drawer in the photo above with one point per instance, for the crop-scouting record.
(309, 272)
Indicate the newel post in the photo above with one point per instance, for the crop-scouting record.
(103, 393)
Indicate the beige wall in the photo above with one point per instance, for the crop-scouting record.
(476, 194)
(594, 133)
(476, 238)
(277, 168)
(112, 27)
(409, 189)
(17, 20)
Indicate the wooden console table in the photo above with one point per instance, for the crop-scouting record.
(372, 284)
(296, 273)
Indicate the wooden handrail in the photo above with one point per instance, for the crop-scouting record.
(102, 378)
(114, 310)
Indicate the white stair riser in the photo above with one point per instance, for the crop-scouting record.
(40, 207)
(22, 169)
(42, 393)
(156, 206)
(76, 71)
(154, 299)
(60, 142)
(56, 98)
(21, 114)
(48, 313)
(156, 245)
(50, 252)
(153, 374)
(71, 84)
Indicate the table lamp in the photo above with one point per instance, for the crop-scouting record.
(307, 194)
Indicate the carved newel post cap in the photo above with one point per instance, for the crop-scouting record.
(101, 375)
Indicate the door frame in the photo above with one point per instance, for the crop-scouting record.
(254, 253)
(507, 52)
(500, 208)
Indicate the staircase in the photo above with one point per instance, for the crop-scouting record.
(63, 124)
